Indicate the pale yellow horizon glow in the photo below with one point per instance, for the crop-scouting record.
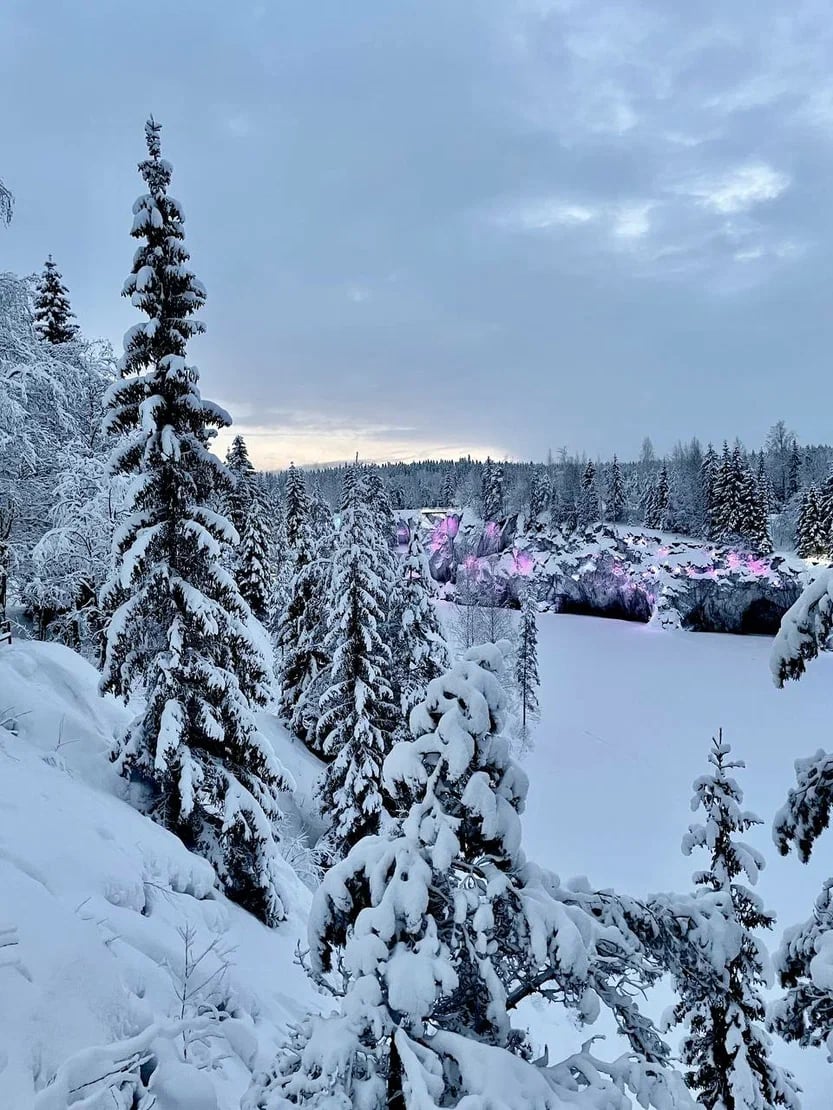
(273, 448)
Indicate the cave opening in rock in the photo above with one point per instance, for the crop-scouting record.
(761, 618)
(635, 608)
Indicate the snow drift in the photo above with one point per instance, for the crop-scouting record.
(104, 916)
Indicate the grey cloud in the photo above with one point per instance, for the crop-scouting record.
(498, 225)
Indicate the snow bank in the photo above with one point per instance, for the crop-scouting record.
(97, 902)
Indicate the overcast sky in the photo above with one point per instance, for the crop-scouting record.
(439, 226)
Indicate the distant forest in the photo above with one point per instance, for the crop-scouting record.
(680, 492)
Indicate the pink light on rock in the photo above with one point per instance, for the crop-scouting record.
(443, 533)
(523, 563)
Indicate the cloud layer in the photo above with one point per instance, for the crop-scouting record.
(453, 225)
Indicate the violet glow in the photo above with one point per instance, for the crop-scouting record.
(523, 563)
(444, 532)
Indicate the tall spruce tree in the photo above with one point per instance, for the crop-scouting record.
(754, 522)
(726, 1048)
(794, 469)
(708, 478)
(588, 505)
(539, 494)
(320, 514)
(297, 505)
(303, 658)
(765, 491)
(357, 716)
(449, 487)
(526, 665)
(616, 497)
(492, 490)
(255, 558)
(242, 474)
(181, 631)
(811, 540)
(730, 492)
(656, 509)
(53, 315)
(420, 652)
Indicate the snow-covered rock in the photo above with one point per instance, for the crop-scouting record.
(629, 574)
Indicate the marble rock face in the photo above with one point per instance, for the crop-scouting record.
(630, 575)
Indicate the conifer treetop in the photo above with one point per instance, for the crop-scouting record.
(160, 283)
(53, 315)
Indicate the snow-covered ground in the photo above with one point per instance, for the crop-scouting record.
(96, 895)
(627, 715)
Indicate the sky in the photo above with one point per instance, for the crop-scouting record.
(435, 227)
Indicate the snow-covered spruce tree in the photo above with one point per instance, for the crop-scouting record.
(708, 478)
(722, 476)
(420, 652)
(811, 541)
(303, 658)
(805, 960)
(656, 509)
(181, 633)
(539, 494)
(765, 491)
(255, 561)
(794, 470)
(526, 665)
(382, 515)
(729, 495)
(726, 1048)
(588, 505)
(754, 523)
(615, 492)
(826, 508)
(53, 315)
(492, 489)
(448, 491)
(297, 504)
(242, 474)
(237, 458)
(356, 709)
(320, 514)
(351, 475)
(438, 928)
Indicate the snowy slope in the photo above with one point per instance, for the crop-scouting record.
(97, 893)
(96, 897)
